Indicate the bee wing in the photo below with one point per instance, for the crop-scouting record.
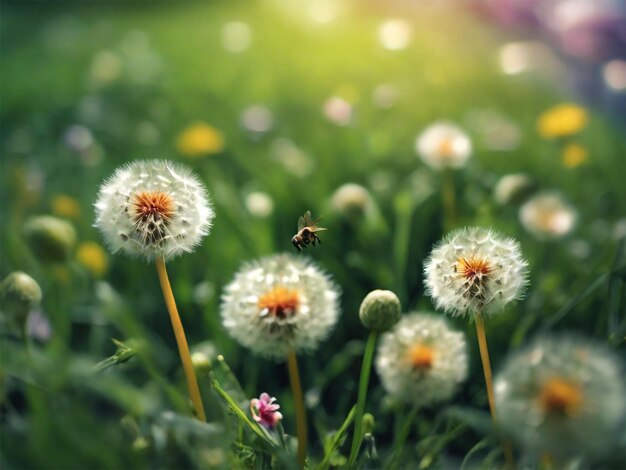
(301, 223)
(314, 229)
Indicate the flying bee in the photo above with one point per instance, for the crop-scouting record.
(306, 232)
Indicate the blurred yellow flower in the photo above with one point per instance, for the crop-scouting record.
(574, 155)
(562, 120)
(200, 139)
(65, 206)
(93, 257)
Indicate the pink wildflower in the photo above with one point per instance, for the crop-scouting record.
(267, 415)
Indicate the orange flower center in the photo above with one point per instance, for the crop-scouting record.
(476, 271)
(156, 205)
(280, 302)
(421, 356)
(445, 147)
(561, 397)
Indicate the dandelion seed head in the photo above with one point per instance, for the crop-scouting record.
(421, 359)
(475, 270)
(561, 395)
(153, 208)
(280, 303)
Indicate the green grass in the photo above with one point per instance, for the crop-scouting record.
(58, 413)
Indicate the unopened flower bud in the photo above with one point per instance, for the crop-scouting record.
(368, 423)
(380, 310)
(19, 293)
(51, 239)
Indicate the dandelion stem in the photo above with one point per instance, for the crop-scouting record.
(181, 341)
(298, 398)
(366, 368)
(448, 200)
(484, 356)
(404, 433)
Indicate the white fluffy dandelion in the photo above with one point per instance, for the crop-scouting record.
(421, 360)
(444, 145)
(475, 270)
(562, 396)
(279, 304)
(547, 215)
(153, 208)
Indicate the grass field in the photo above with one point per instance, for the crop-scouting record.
(87, 88)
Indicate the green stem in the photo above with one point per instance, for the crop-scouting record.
(404, 433)
(298, 398)
(448, 201)
(181, 340)
(366, 368)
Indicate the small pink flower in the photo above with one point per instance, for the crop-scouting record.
(267, 415)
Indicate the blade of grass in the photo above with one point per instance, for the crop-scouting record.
(336, 439)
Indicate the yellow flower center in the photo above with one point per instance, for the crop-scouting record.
(561, 397)
(421, 356)
(280, 302)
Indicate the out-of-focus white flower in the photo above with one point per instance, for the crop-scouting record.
(524, 56)
(106, 67)
(257, 118)
(291, 157)
(510, 187)
(563, 396)
(614, 74)
(78, 138)
(280, 303)
(385, 95)
(421, 360)
(153, 208)
(444, 145)
(475, 271)
(236, 36)
(496, 131)
(338, 111)
(547, 215)
(395, 34)
(259, 204)
(351, 200)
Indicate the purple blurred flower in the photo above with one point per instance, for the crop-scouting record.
(267, 416)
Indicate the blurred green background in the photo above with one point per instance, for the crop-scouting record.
(274, 105)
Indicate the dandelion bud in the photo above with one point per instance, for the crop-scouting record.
(380, 310)
(19, 293)
(51, 239)
(368, 423)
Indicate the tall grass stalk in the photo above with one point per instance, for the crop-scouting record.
(366, 368)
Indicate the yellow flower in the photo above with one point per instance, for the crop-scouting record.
(574, 155)
(92, 256)
(200, 139)
(65, 206)
(562, 120)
